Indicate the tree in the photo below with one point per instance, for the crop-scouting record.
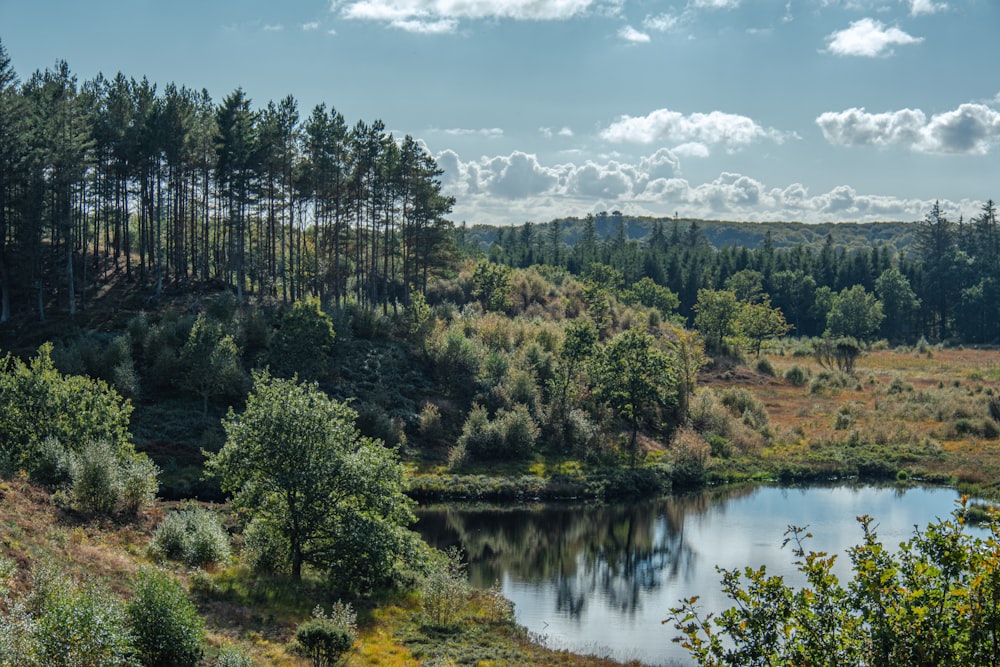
(688, 351)
(303, 343)
(899, 303)
(491, 286)
(935, 245)
(759, 322)
(635, 379)
(211, 361)
(651, 295)
(716, 315)
(854, 313)
(294, 457)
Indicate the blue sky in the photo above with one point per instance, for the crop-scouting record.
(810, 110)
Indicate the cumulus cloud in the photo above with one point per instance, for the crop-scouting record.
(918, 7)
(971, 129)
(868, 38)
(434, 16)
(664, 125)
(565, 132)
(512, 188)
(630, 34)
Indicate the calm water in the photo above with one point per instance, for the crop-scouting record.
(601, 579)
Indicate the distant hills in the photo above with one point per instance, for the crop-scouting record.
(895, 235)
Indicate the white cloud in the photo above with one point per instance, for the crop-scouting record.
(273, 27)
(489, 132)
(517, 187)
(630, 34)
(971, 129)
(661, 22)
(565, 132)
(312, 25)
(440, 16)
(664, 125)
(918, 7)
(692, 149)
(715, 4)
(868, 38)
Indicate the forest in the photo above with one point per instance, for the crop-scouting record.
(240, 344)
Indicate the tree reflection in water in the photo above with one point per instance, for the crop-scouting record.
(613, 553)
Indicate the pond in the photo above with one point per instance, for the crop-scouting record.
(599, 579)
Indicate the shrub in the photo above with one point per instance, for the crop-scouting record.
(96, 486)
(690, 454)
(167, 628)
(741, 403)
(797, 376)
(444, 587)
(54, 467)
(194, 535)
(75, 626)
(230, 656)
(765, 366)
(326, 638)
(431, 428)
(265, 549)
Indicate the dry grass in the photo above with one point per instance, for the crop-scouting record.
(924, 413)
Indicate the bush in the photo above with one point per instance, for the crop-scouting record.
(265, 549)
(765, 367)
(96, 486)
(326, 638)
(167, 628)
(690, 454)
(74, 626)
(230, 656)
(194, 535)
(54, 467)
(444, 588)
(797, 376)
(741, 403)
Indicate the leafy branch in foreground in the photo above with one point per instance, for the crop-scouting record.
(936, 601)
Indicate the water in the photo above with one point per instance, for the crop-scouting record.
(600, 579)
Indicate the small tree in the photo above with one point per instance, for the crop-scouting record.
(759, 322)
(326, 638)
(716, 314)
(854, 313)
(635, 379)
(295, 458)
(303, 344)
(211, 361)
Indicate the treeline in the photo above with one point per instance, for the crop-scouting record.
(943, 287)
(114, 178)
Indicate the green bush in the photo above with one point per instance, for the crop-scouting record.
(73, 627)
(193, 535)
(265, 549)
(326, 638)
(797, 376)
(512, 435)
(96, 486)
(230, 656)
(167, 630)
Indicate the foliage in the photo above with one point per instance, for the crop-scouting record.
(854, 314)
(230, 656)
(837, 354)
(210, 361)
(491, 286)
(716, 316)
(294, 458)
(759, 322)
(40, 403)
(302, 346)
(636, 380)
(166, 626)
(443, 588)
(512, 435)
(193, 535)
(105, 484)
(326, 638)
(933, 602)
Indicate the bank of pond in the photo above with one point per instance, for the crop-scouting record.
(601, 578)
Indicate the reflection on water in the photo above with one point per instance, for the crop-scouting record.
(601, 578)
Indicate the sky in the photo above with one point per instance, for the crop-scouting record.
(757, 110)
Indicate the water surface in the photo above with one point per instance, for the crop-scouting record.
(600, 579)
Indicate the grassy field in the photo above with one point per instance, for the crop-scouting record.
(908, 414)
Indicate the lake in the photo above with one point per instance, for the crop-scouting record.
(599, 579)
